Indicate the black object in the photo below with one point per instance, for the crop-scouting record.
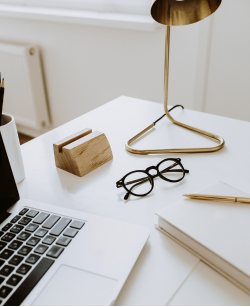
(8, 189)
(29, 283)
(64, 241)
(24, 250)
(23, 211)
(23, 236)
(15, 219)
(41, 233)
(31, 227)
(51, 221)
(8, 237)
(41, 249)
(23, 269)
(6, 270)
(77, 224)
(70, 232)
(15, 260)
(24, 221)
(14, 280)
(33, 241)
(49, 240)
(15, 244)
(32, 259)
(58, 229)
(55, 251)
(32, 213)
(41, 218)
(16, 229)
(170, 170)
(6, 254)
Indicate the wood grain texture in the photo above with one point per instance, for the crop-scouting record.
(82, 152)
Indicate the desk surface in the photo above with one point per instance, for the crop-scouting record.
(165, 273)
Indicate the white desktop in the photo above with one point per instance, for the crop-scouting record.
(165, 273)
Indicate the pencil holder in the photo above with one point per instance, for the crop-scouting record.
(82, 152)
(12, 146)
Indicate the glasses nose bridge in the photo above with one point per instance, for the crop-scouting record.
(152, 168)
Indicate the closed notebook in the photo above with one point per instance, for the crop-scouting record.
(216, 232)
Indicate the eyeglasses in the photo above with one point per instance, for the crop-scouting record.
(141, 183)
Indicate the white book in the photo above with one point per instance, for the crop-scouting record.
(216, 232)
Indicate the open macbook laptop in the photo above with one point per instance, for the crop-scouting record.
(56, 256)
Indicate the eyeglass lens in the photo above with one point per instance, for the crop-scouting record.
(139, 183)
(171, 170)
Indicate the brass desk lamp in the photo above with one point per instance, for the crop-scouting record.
(178, 13)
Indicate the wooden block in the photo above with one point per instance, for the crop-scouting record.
(82, 152)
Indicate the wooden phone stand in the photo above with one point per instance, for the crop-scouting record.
(82, 152)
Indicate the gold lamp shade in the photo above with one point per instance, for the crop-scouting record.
(182, 12)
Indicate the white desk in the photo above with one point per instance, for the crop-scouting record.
(165, 273)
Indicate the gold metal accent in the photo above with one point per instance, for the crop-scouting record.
(219, 198)
(178, 12)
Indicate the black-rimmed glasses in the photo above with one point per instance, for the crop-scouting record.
(141, 183)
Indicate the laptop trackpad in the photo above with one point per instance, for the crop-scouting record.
(74, 287)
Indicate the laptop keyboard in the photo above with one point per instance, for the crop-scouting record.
(29, 245)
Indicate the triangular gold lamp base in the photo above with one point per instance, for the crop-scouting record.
(215, 137)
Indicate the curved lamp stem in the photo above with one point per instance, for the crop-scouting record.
(215, 137)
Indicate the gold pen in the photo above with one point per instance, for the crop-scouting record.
(219, 198)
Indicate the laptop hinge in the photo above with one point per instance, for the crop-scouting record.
(3, 216)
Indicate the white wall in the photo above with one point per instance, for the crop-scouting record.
(86, 66)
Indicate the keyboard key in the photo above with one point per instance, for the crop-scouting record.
(30, 282)
(15, 244)
(23, 211)
(23, 236)
(15, 219)
(41, 233)
(33, 241)
(8, 237)
(55, 251)
(25, 250)
(1, 233)
(1, 262)
(41, 218)
(48, 240)
(5, 291)
(15, 260)
(16, 228)
(23, 269)
(14, 280)
(41, 249)
(70, 232)
(64, 241)
(2, 245)
(7, 227)
(24, 221)
(31, 227)
(58, 229)
(32, 259)
(32, 213)
(6, 254)
(77, 224)
(1, 281)
(51, 221)
(6, 270)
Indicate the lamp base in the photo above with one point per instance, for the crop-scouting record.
(215, 137)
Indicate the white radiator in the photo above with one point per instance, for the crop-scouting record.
(24, 96)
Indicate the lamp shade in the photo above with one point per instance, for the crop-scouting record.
(182, 12)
